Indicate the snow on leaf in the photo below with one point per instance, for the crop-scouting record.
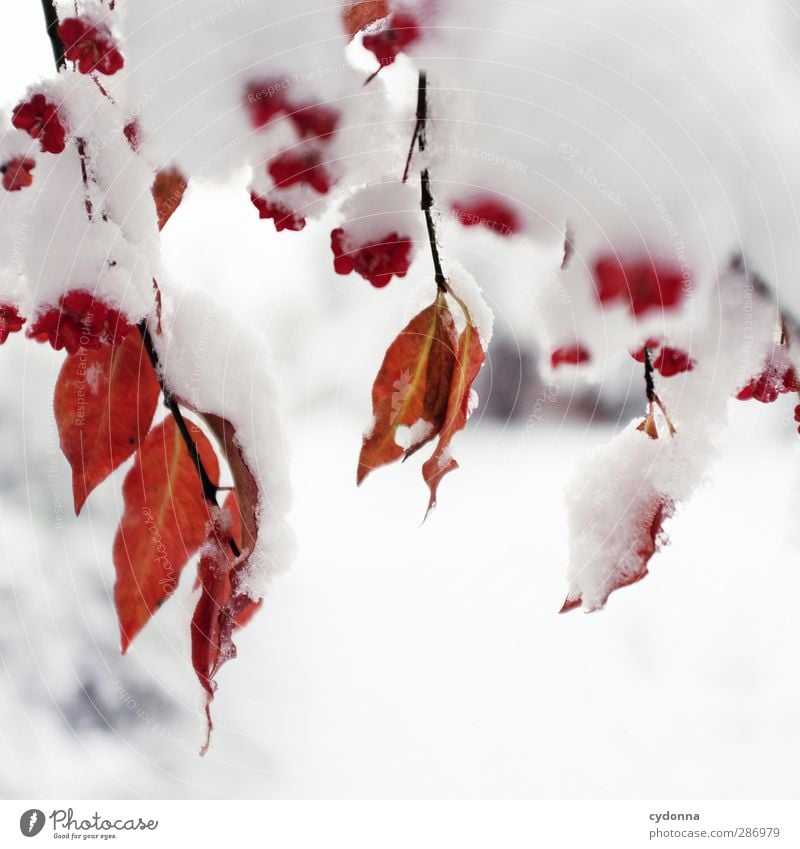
(644, 536)
(164, 523)
(104, 402)
(413, 383)
(469, 359)
(361, 13)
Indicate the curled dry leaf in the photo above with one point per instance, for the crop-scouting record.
(164, 523)
(469, 359)
(412, 388)
(424, 384)
(359, 14)
(104, 403)
(220, 609)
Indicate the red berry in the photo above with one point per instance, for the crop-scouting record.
(80, 321)
(377, 262)
(265, 100)
(400, 32)
(797, 413)
(571, 355)
(90, 45)
(282, 218)
(775, 380)
(291, 167)
(39, 118)
(315, 121)
(492, 213)
(17, 173)
(641, 283)
(671, 361)
(10, 321)
(651, 344)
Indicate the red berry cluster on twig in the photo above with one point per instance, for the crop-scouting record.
(282, 217)
(17, 173)
(80, 321)
(666, 360)
(642, 284)
(492, 213)
(376, 261)
(400, 32)
(571, 355)
(39, 118)
(775, 380)
(90, 45)
(291, 168)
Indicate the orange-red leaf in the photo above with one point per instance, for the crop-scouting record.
(212, 627)
(104, 403)
(163, 525)
(468, 363)
(168, 188)
(361, 13)
(412, 388)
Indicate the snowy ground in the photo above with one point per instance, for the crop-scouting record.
(396, 660)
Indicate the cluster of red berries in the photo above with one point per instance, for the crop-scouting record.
(10, 321)
(293, 167)
(39, 118)
(642, 284)
(17, 173)
(282, 217)
(80, 321)
(775, 380)
(266, 100)
(377, 261)
(571, 355)
(666, 360)
(400, 32)
(90, 45)
(492, 213)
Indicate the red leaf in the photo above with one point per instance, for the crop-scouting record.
(411, 388)
(104, 404)
(212, 626)
(168, 188)
(361, 13)
(469, 360)
(163, 525)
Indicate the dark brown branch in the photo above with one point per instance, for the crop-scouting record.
(649, 383)
(51, 22)
(426, 195)
(418, 135)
